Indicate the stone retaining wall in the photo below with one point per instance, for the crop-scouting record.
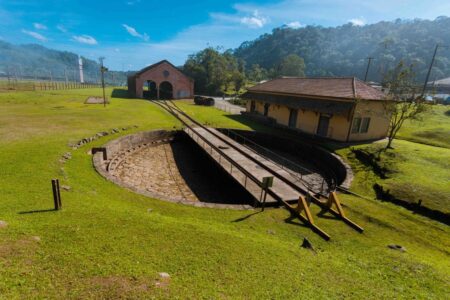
(127, 144)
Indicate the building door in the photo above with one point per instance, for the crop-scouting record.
(293, 118)
(324, 122)
(266, 109)
(252, 106)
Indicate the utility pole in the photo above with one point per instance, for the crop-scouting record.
(429, 71)
(368, 67)
(103, 69)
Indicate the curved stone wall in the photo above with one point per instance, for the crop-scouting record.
(108, 161)
(118, 150)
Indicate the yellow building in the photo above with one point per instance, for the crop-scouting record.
(341, 109)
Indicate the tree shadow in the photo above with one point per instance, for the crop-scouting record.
(120, 93)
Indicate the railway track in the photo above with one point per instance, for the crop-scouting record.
(306, 195)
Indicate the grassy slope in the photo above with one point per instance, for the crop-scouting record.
(105, 244)
(418, 165)
(433, 129)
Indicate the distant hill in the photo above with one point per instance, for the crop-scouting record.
(32, 61)
(342, 50)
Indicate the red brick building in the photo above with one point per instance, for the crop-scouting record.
(160, 81)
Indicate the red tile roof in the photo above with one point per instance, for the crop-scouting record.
(326, 87)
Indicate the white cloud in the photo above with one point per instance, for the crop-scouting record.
(134, 32)
(39, 26)
(294, 24)
(35, 35)
(85, 39)
(358, 21)
(255, 21)
(61, 28)
(133, 2)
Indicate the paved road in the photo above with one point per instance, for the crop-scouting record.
(225, 105)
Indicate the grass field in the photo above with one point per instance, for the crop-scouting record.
(105, 244)
(433, 129)
(418, 166)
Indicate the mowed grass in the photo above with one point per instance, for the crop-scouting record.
(433, 128)
(414, 172)
(418, 166)
(105, 244)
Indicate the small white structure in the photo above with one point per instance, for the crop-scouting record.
(80, 66)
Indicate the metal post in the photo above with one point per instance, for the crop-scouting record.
(429, 71)
(368, 66)
(321, 188)
(264, 200)
(102, 71)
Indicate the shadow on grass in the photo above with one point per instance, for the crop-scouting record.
(293, 220)
(246, 217)
(36, 211)
(120, 93)
(416, 208)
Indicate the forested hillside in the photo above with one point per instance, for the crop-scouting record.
(342, 50)
(33, 61)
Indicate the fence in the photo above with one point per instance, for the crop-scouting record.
(16, 85)
(228, 107)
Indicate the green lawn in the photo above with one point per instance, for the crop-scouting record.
(418, 166)
(433, 129)
(414, 172)
(105, 243)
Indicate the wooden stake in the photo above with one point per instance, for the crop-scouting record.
(303, 205)
(333, 199)
(56, 194)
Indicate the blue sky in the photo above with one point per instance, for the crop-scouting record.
(134, 33)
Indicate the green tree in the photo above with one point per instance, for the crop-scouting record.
(214, 71)
(257, 73)
(292, 65)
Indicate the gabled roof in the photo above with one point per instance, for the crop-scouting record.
(444, 82)
(323, 87)
(157, 64)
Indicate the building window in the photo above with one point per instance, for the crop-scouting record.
(365, 125)
(356, 125)
(360, 125)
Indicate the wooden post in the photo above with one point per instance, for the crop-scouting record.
(333, 199)
(56, 194)
(303, 205)
(59, 194)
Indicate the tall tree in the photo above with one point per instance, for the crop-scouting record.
(292, 65)
(257, 73)
(214, 71)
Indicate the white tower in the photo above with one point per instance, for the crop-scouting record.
(80, 65)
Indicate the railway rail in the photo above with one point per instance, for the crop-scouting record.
(306, 196)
